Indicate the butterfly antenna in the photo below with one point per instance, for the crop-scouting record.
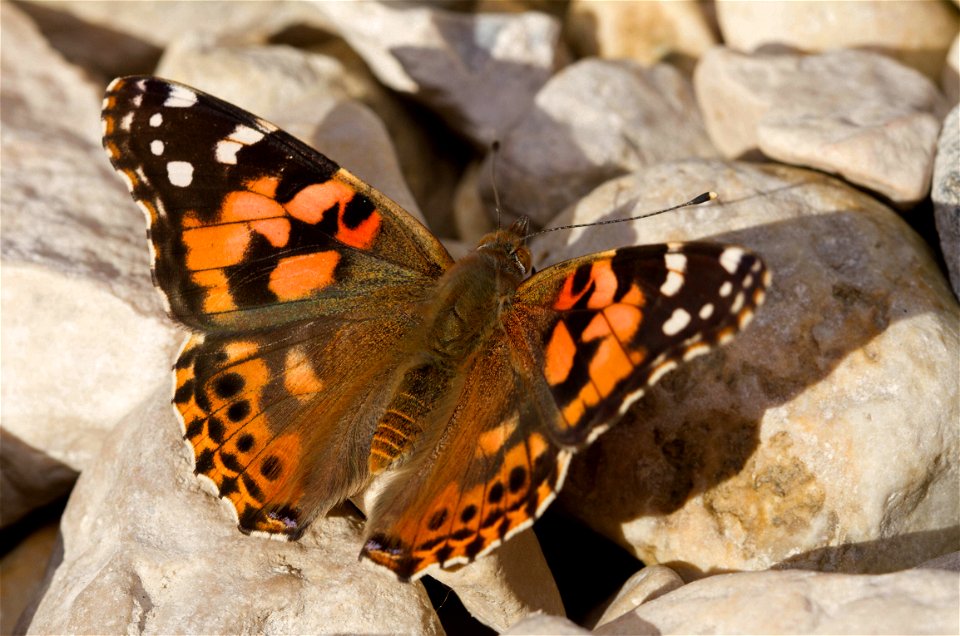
(495, 149)
(697, 200)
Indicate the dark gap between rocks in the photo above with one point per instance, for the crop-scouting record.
(453, 616)
(588, 568)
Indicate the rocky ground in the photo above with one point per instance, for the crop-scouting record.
(803, 479)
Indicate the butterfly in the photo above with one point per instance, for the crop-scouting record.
(334, 340)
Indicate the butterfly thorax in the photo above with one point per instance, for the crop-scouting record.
(459, 315)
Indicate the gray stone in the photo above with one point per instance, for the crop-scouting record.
(910, 602)
(480, 72)
(546, 625)
(593, 121)
(946, 195)
(857, 114)
(649, 583)
(917, 34)
(83, 335)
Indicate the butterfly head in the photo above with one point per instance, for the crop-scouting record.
(509, 248)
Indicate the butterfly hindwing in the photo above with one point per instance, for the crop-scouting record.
(604, 326)
(251, 227)
(498, 471)
(281, 422)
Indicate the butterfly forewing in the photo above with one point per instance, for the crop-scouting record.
(607, 325)
(251, 227)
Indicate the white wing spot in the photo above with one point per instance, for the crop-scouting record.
(695, 350)
(730, 259)
(240, 137)
(180, 97)
(737, 303)
(180, 173)
(246, 135)
(156, 147)
(725, 289)
(672, 285)
(227, 151)
(156, 119)
(748, 280)
(706, 311)
(127, 121)
(660, 371)
(137, 100)
(677, 322)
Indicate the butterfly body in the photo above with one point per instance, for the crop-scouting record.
(335, 338)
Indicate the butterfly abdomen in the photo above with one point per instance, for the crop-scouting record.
(460, 314)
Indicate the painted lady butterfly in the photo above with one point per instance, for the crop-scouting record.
(334, 336)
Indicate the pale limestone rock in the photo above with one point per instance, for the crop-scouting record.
(507, 584)
(946, 195)
(950, 78)
(824, 436)
(78, 352)
(856, 114)
(917, 33)
(161, 24)
(479, 72)
(910, 602)
(649, 583)
(546, 625)
(645, 32)
(148, 549)
(595, 120)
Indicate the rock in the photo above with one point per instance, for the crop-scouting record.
(790, 445)
(470, 214)
(645, 32)
(917, 34)
(506, 585)
(856, 114)
(946, 195)
(593, 121)
(649, 583)
(910, 602)
(949, 562)
(147, 549)
(479, 72)
(544, 624)
(159, 25)
(87, 338)
(20, 488)
(950, 79)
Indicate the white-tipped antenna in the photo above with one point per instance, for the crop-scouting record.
(495, 150)
(697, 200)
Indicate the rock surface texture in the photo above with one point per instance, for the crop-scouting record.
(802, 479)
(860, 115)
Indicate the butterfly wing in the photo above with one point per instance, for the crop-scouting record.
(250, 227)
(580, 343)
(282, 260)
(608, 325)
(498, 470)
